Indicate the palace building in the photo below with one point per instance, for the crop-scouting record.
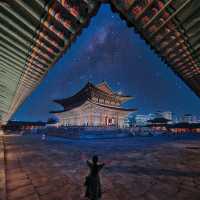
(94, 105)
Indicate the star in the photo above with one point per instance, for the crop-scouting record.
(90, 76)
(157, 75)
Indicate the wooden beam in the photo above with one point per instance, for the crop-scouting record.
(171, 17)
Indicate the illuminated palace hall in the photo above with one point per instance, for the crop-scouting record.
(94, 106)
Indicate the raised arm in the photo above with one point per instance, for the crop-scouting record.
(100, 166)
(89, 163)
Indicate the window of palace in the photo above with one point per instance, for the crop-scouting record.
(112, 103)
(107, 102)
(101, 101)
(95, 99)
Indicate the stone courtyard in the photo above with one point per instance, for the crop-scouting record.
(137, 168)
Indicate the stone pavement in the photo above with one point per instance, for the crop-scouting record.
(136, 169)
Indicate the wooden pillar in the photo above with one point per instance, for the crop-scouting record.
(81, 119)
(90, 116)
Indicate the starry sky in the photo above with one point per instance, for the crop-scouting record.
(107, 50)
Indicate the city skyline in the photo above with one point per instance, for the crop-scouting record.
(143, 119)
(116, 54)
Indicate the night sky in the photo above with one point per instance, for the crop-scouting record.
(108, 50)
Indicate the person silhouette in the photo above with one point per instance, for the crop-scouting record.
(92, 181)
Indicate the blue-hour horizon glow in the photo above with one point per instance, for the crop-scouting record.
(108, 50)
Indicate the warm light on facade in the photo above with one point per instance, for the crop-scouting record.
(99, 107)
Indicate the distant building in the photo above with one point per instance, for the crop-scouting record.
(195, 119)
(184, 127)
(158, 114)
(94, 105)
(23, 125)
(131, 121)
(151, 116)
(141, 120)
(176, 119)
(167, 115)
(52, 122)
(187, 118)
(158, 124)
